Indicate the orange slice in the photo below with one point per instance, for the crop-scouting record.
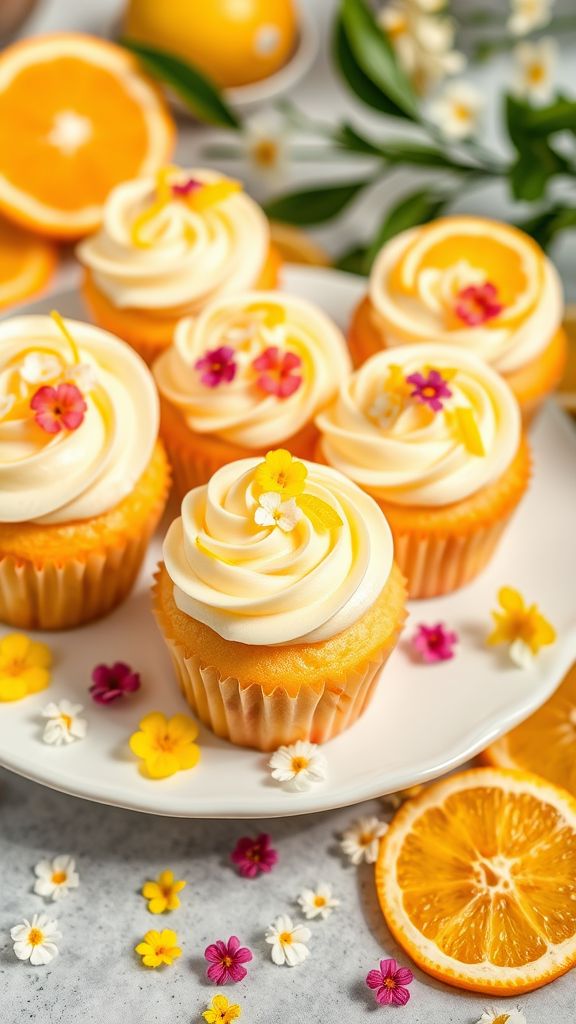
(477, 880)
(76, 117)
(26, 264)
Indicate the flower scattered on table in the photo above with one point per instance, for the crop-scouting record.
(521, 626)
(166, 745)
(276, 372)
(64, 724)
(55, 878)
(361, 841)
(514, 1016)
(390, 983)
(527, 15)
(158, 948)
(535, 65)
(59, 408)
(110, 682)
(318, 902)
(299, 766)
(221, 1011)
(434, 643)
(280, 472)
(429, 390)
(272, 511)
(24, 666)
(217, 366)
(288, 941)
(35, 940)
(162, 894)
(254, 856)
(457, 110)
(226, 960)
(477, 303)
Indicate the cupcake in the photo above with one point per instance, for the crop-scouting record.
(250, 372)
(279, 600)
(477, 284)
(168, 246)
(434, 435)
(83, 479)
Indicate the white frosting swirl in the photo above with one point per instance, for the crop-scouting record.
(80, 473)
(263, 586)
(420, 315)
(191, 255)
(418, 458)
(238, 410)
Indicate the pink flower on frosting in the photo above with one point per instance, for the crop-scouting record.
(429, 390)
(276, 372)
(226, 960)
(217, 366)
(390, 983)
(109, 682)
(254, 856)
(478, 303)
(181, 190)
(434, 643)
(59, 408)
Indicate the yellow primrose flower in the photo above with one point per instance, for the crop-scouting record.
(281, 473)
(159, 948)
(166, 745)
(24, 666)
(162, 894)
(221, 1011)
(521, 626)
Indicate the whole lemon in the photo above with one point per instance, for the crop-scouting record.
(234, 41)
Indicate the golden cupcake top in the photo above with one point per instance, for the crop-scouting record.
(474, 283)
(174, 241)
(422, 425)
(278, 551)
(78, 420)
(253, 368)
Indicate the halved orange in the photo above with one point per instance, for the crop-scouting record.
(26, 264)
(546, 742)
(477, 880)
(77, 116)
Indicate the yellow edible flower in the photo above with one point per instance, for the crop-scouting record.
(162, 894)
(166, 745)
(221, 1011)
(159, 948)
(281, 473)
(24, 666)
(521, 626)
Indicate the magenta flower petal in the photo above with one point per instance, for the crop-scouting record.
(476, 304)
(400, 995)
(434, 643)
(253, 856)
(111, 682)
(275, 369)
(374, 979)
(59, 408)
(217, 366)
(384, 996)
(404, 976)
(389, 983)
(226, 959)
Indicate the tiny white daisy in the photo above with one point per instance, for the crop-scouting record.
(39, 367)
(317, 902)
(361, 841)
(264, 142)
(535, 63)
(526, 15)
(272, 511)
(298, 766)
(506, 1017)
(63, 725)
(55, 878)
(34, 940)
(457, 110)
(288, 941)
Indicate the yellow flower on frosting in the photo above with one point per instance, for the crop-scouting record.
(281, 473)
(163, 893)
(159, 948)
(24, 666)
(166, 745)
(521, 626)
(221, 1011)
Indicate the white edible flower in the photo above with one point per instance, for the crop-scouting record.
(55, 878)
(38, 368)
(298, 766)
(34, 940)
(422, 41)
(63, 725)
(361, 841)
(317, 902)
(264, 142)
(502, 1017)
(272, 511)
(521, 654)
(526, 15)
(457, 109)
(534, 79)
(386, 408)
(288, 941)
(6, 405)
(83, 376)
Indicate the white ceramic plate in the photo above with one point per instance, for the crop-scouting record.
(424, 719)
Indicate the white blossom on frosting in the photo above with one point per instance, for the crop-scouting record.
(298, 766)
(40, 367)
(361, 841)
(64, 724)
(83, 376)
(272, 511)
(317, 902)
(55, 878)
(288, 941)
(34, 940)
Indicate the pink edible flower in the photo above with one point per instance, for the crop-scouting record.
(389, 983)
(477, 303)
(429, 390)
(226, 959)
(276, 372)
(254, 856)
(109, 682)
(59, 408)
(217, 366)
(434, 643)
(185, 188)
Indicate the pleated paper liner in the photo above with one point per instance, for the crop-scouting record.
(293, 698)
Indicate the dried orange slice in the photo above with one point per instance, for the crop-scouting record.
(477, 880)
(26, 264)
(76, 117)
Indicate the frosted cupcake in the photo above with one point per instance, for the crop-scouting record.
(279, 600)
(83, 479)
(479, 285)
(249, 372)
(168, 246)
(434, 435)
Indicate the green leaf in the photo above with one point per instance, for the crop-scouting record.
(375, 56)
(537, 161)
(398, 151)
(557, 117)
(547, 223)
(353, 261)
(197, 91)
(314, 205)
(358, 82)
(415, 208)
